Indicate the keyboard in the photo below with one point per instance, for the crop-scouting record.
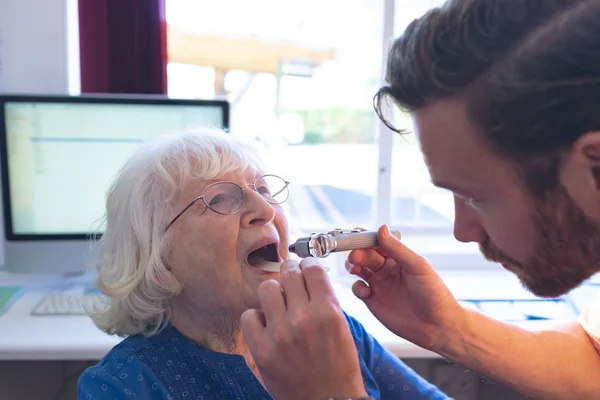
(67, 304)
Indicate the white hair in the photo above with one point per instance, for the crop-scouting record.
(139, 204)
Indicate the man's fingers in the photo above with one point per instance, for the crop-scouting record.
(367, 258)
(271, 301)
(317, 281)
(361, 290)
(292, 281)
(410, 261)
(359, 270)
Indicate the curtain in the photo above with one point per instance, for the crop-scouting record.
(123, 46)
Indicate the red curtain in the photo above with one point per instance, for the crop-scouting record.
(123, 46)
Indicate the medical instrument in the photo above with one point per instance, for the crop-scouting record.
(323, 244)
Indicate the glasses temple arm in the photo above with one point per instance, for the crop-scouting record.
(282, 189)
(183, 211)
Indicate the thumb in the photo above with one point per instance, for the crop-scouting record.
(361, 290)
(253, 327)
(411, 262)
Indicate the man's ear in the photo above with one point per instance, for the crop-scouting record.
(580, 174)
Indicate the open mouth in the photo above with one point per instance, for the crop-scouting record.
(265, 258)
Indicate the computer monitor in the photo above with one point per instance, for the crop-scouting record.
(58, 157)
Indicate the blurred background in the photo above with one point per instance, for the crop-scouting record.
(300, 77)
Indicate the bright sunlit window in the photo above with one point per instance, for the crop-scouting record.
(416, 202)
(300, 77)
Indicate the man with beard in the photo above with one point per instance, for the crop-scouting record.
(505, 98)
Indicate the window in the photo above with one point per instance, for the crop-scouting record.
(416, 203)
(424, 213)
(300, 77)
(301, 84)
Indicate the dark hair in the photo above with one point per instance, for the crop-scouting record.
(528, 71)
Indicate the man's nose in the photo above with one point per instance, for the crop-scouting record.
(467, 225)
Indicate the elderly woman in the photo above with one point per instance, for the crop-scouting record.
(193, 226)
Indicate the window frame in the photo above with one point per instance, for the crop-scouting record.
(425, 239)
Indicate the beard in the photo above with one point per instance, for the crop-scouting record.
(566, 248)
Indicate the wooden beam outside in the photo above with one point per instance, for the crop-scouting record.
(248, 54)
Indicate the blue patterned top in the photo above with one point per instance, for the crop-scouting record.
(170, 366)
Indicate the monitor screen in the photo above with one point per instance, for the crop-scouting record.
(59, 155)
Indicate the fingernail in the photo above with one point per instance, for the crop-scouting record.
(386, 231)
(351, 267)
(361, 292)
(307, 260)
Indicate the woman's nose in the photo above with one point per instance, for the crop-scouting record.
(257, 209)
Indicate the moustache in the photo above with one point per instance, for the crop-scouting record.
(494, 254)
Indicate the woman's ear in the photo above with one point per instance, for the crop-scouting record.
(580, 174)
(167, 280)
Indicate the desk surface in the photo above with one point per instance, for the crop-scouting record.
(26, 337)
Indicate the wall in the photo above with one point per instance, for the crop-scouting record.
(34, 59)
(34, 36)
(34, 51)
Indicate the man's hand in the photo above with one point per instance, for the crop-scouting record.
(405, 293)
(300, 339)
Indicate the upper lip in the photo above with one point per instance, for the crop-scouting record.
(265, 241)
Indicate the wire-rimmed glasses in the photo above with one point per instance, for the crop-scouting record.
(227, 198)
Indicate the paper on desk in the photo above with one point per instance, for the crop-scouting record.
(8, 295)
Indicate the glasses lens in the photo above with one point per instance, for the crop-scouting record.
(273, 188)
(224, 197)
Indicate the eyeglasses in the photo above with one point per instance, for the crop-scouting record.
(227, 198)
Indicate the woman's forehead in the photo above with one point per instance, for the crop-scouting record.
(240, 177)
